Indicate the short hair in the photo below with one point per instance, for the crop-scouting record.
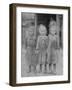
(42, 27)
(52, 22)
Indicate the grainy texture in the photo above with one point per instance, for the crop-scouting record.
(12, 79)
(36, 46)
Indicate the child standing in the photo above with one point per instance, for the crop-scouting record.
(53, 45)
(30, 49)
(42, 47)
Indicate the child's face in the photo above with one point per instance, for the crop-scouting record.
(31, 31)
(42, 31)
(52, 29)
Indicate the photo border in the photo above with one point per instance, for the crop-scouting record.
(12, 63)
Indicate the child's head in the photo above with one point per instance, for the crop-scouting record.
(31, 30)
(52, 27)
(42, 29)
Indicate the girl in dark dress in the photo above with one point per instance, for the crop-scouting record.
(52, 47)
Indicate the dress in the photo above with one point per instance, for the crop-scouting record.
(42, 44)
(52, 50)
(30, 51)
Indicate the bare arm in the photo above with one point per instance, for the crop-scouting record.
(37, 45)
(48, 48)
(57, 41)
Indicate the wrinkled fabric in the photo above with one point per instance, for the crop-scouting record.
(42, 45)
(52, 50)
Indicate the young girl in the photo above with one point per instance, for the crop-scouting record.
(30, 49)
(42, 47)
(53, 45)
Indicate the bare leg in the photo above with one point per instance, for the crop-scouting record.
(29, 69)
(43, 68)
(54, 68)
(32, 68)
(35, 69)
(50, 67)
(47, 67)
(40, 67)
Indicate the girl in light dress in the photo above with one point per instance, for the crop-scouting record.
(52, 47)
(42, 44)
